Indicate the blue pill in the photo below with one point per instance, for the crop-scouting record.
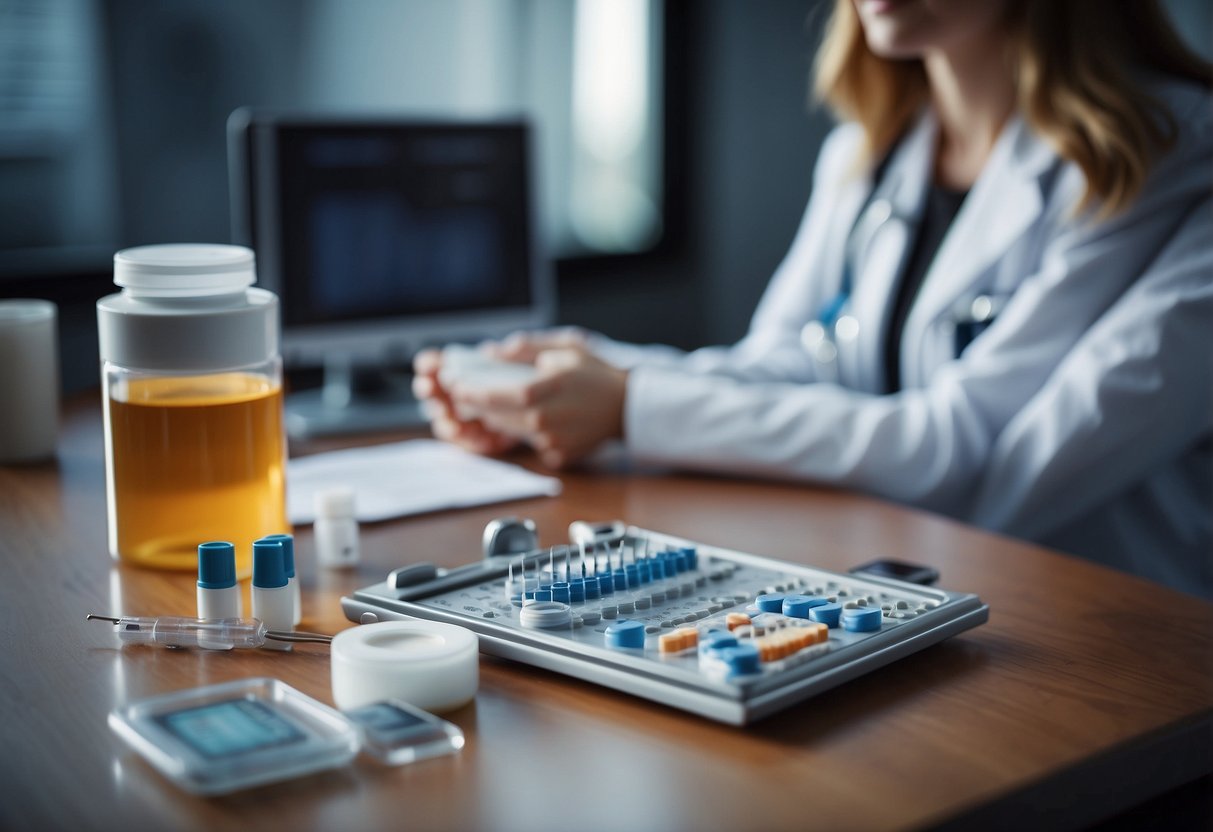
(742, 658)
(826, 614)
(769, 603)
(625, 634)
(798, 606)
(862, 620)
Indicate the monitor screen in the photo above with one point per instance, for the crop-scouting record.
(383, 236)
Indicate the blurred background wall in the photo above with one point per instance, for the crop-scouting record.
(112, 117)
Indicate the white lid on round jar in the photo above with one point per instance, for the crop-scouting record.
(175, 270)
(187, 308)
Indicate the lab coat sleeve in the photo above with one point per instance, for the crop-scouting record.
(771, 349)
(1136, 392)
(926, 446)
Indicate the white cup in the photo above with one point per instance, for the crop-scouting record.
(29, 381)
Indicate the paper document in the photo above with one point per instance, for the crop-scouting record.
(412, 477)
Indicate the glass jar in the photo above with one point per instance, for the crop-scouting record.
(192, 398)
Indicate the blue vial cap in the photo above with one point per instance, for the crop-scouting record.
(679, 560)
(692, 556)
(216, 565)
(658, 565)
(632, 570)
(269, 570)
(577, 590)
(606, 584)
(591, 588)
(543, 595)
(560, 592)
(288, 551)
(826, 614)
(625, 634)
(862, 620)
(769, 603)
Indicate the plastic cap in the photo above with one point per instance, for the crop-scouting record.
(335, 502)
(288, 551)
(216, 565)
(269, 570)
(184, 270)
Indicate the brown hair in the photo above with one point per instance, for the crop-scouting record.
(1072, 62)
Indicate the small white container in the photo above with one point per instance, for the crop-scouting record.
(336, 528)
(29, 377)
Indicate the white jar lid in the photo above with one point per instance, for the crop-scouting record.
(187, 308)
(184, 270)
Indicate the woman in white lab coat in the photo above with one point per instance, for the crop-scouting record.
(998, 304)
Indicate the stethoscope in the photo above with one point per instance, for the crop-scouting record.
(835, 325)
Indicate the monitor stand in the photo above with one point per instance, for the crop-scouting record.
(353, 399)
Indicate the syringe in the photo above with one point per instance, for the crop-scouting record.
(211, 633)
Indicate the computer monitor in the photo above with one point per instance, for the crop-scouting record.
(382, 236)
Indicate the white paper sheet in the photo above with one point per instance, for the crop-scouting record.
(412, 477)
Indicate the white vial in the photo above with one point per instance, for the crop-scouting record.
(336, 528)
(218, 592)
(292, 581)
(272, 602)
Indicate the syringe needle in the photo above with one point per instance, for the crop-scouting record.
(313, 638)
(215, 634)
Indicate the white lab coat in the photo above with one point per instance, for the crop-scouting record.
(1077, 418)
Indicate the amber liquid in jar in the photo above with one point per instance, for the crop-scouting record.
(193, 459)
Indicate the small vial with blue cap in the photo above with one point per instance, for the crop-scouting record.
(272, 602)
(288, 560)
(218, 592)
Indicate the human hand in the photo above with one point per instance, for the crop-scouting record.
(470, 434)
(526, 346)
(574, 405)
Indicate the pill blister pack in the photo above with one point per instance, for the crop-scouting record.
(725, 634)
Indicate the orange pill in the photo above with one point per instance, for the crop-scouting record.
(669, 643)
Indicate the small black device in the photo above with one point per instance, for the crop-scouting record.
(914, 573)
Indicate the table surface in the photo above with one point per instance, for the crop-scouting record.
(1087, 691)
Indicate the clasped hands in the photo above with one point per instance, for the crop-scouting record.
(573, 405)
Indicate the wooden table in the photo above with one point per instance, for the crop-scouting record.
(1087, 692)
